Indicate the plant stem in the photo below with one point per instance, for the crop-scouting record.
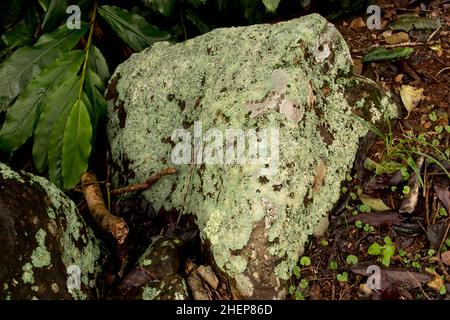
(88, 47)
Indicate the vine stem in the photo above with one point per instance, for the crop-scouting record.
(88, 47)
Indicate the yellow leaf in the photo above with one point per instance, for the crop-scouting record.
(411, 97)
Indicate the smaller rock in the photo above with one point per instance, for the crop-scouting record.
(398, 78)
(398, 37)
(207, 273)
(357, 23)
(196, 285)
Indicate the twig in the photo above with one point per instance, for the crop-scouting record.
(395, 45)
(144, 185)
(104, 219)
(420, 286)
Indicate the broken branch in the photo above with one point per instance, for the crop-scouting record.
(144, 185)
(104, 219)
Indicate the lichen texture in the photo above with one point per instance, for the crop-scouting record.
(48, 252)
(289, 84)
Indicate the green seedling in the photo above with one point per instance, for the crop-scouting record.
(342, 277)
(351, 259)
(385, 252)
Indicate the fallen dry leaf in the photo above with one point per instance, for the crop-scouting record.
(411, 97)
(398, 37)
(357, 23)
(437, 282)
(445, 258)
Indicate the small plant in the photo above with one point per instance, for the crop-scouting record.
(358, 224)
(416, 265)
(385, 251)
(324, 242)
(351, 259)
(442, 290)
(305, 261)
(442, 212)
(333, 265)
(406, 190)
(364, 208)
(296, 272)
(368, 228)
(342, 277)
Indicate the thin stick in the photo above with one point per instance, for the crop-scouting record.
(104, 219)
(144, 185)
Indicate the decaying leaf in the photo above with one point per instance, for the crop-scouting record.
(374, 203)
(377, 219)
(435, 233)
(409, 202)
(395, 278)
(411, 97)
(437, 282)
(445, 258)
(406, 23)
(319, 177)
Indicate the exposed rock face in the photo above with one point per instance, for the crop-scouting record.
(157, 273)
(44, 242)
(290, 81)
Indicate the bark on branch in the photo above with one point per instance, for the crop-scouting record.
(107, 222)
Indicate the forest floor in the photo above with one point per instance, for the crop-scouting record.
(395, 205)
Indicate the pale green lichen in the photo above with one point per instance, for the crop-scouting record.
(214, 79)
(150, 293)
(28, 275)
(78, 243)
(40, 256)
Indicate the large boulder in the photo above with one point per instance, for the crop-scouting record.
(47, 251)
(257, 194)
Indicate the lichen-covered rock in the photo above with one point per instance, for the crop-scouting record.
(47, 251)
(156, 275)
(291, 81)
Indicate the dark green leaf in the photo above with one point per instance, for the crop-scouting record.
(406, 23)
(22, 116)
(44, 4)
(163, 6)
(54, 15)
(381, 54)
(19, 36)
(27, 62)
(132, 28)
(97, 63)
(271, 5)
(197, 3)
(92, 86)
(197, 21)
(77, 144)
(50, 128)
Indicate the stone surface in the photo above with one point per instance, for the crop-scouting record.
(293, 78)
(43, 239)
(156, 275)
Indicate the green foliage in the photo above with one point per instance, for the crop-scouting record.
(132, 28)
(385, 252)
(27, 62)
(342, 277)
(305, 261)
(351, 259)
(382, 54)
